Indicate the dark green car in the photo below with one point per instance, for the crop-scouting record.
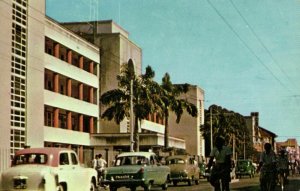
(133, 169)
(244, 167)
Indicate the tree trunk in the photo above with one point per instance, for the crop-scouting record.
(166, 130)
(136, 139)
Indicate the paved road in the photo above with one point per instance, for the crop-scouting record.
(244, 184)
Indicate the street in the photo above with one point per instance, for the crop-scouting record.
(244, 184)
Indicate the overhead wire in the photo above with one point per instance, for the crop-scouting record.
(246, 45)
(260, 41)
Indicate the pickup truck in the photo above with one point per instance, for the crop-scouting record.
(48, 169)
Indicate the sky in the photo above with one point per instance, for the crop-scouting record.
(245, 54)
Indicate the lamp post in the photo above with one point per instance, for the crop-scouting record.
(132, 73)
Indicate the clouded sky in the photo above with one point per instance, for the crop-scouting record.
(245, 54)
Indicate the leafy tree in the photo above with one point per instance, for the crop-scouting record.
(169, 95)
(227, 124)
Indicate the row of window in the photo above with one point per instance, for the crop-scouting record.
(63, 120)
(65, 54)
(18, 75)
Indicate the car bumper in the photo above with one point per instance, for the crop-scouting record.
(126, 183)
(180, 179)
(242, 173)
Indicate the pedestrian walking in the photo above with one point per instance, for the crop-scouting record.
(222, 167)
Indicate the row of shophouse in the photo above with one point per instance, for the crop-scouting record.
(52, 76)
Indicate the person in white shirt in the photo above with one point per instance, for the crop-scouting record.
(267, 168)
(222, 167)
(101, 162)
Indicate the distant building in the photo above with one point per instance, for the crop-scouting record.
(189, 127)
(259, 135)
(291, 146)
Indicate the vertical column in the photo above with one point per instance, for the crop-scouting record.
(69, 87)
(81, 123)
(91, 94)
(154, 117)
(92, 67)
(56, 50)
(81, 62)
(56, 117)
(69, 120)
(91, 125)
(80, 153)
(69, 56)
(56, 83)
(81, 91)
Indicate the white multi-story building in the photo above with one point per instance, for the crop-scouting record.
(50, 82)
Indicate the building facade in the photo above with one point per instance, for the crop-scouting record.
(52, 78)
(189, 127)
(117, 49)
(259, 135)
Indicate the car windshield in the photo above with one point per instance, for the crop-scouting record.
(131, 160)
(243, 163)
(175, 161)
(30, 158)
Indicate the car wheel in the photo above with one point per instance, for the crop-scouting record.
(175, 183)
(112, 188)
(148, 186)
(133, 189)
(92, 186)
(165, 185)
(189, 182)
(196, 182)
(60, 188)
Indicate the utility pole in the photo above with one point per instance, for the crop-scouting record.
(233, 145)
(244, 147)
(211, 131)
(131, 70)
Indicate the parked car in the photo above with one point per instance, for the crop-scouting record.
(133, 169)
(183, 169)
(244, 167)
(48, 169)
(202, 168)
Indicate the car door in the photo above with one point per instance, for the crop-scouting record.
(66, 170)
(157, 172)
(78, 173)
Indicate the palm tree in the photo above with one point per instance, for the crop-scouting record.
(169, 95)
(118, 100)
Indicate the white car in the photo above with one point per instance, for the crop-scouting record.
(48, 169)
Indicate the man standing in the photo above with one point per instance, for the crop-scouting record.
(101, 164)
(95, 162)
(222, 168)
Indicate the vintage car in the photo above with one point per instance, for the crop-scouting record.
(133, 169)
(202, 168)
(244, 167)
(48, 169)
(183, 169)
